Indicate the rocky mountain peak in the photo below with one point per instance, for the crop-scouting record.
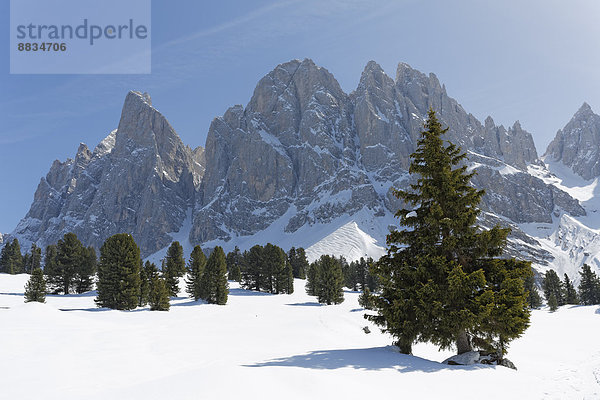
(577, 145)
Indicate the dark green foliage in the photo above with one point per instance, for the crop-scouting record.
(441, 281)
(325, 280)
(159, 295)
(214, 287)
(569, 292)
(69, 257)
(35, 288)
(267, 269)
(366, 300)
(234, 265)
(173, 267)
(253, 277)
(148, 272)
(84, 276)
(119, 273)
(589, 286)
(552, 285)
(297, 259)
(553, 302)
(11, 259)
(533, 297)
(196, 268)
(51, 270)
(34, 259)
(358, 276)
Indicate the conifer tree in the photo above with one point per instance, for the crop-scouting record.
(440, 277)
(119, 273)
(533, 297)
(553, 286)
(196, 268)
(298, 261)
(35, 258)
(253, 272)
(589, 286)
(173, 267)
(159, 295)
(570, 294)
(35, 288)
(552, 302)
(366, 300)
(84, 276)
(69, 257)
(51, 270)
(313, 275)
(326, 280)
(234, 265)
(214, 287)
(11, 259)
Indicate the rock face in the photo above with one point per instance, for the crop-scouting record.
(577, 145)
(304, 152)
(140, 179)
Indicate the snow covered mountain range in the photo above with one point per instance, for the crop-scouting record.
(306, 164)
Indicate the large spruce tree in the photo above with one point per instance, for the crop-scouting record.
(298, 261)
(196, 268)
(234, 265)
(253, 277)
(51, 270)
(119, 273)
(159, 295)
(441, 280)
(569, 292)
(85, 272)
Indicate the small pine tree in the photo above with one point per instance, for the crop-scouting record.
(51, 270)
(195, 271)
(326, 280)
(69, 257)
(35, 259)
(553, 302)
(214, 287)
(298, 261)
(569, 292)
(533, 297)
(553, 286)
(119, 273)
(174, 267)
(253, 271)
(11, 259)
(589, 286)
(234, 265)
(35, 288)
(366, 300)
(159, 295)
(84, 276)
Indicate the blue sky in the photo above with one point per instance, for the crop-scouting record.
(535, 61)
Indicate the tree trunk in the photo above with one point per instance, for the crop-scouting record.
(463, 343)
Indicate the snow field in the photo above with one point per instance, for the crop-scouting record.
(262, 346)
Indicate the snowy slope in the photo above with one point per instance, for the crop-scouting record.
(572, 241)
(267, 347)
(352, 236)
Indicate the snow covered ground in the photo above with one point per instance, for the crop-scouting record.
(263, 346)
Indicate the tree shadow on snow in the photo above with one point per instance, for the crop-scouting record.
(189, 303)
(374, 358)
(306, 304)
(12, 294)
(244, 292)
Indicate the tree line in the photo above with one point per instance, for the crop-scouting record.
(559, 293)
